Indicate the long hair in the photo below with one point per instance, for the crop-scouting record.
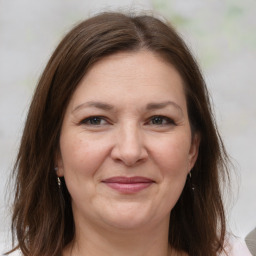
(42, 222)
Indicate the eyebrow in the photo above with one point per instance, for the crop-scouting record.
(95, 104)
(106, 106)
(161, 105)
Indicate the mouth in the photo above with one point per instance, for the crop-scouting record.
(128, 185)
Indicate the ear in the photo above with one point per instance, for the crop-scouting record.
(194, 149)
(59, 165)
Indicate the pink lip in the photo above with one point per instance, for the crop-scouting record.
(128, 185)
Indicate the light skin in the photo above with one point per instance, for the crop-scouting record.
(127, 118)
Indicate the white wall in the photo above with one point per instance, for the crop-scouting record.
(221, 34)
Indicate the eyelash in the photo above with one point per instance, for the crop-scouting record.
(168, 121)
(89, 120)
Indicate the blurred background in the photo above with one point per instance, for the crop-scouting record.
(222, 36)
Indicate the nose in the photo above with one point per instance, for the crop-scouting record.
(129, 146)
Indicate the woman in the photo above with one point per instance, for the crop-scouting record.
(120, 154)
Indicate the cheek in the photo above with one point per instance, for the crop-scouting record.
(172, 156)
(171, 159)
(82, 155)
(82, 158)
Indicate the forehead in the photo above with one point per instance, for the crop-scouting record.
(142, 63)
(131, 77)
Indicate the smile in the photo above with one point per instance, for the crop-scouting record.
(128, 185)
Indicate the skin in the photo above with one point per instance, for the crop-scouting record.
(141, 129)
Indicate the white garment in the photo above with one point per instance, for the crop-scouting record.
(236, 247)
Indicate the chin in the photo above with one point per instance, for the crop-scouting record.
(129, 216)
(128, 223)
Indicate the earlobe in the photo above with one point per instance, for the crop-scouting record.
(59, 171)
(194, 149)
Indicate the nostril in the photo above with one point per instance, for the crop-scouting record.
(129, 145)
(129, 156)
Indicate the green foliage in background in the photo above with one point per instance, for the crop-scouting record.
(220, 28)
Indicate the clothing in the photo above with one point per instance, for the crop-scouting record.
(236, 247)
(251, 242)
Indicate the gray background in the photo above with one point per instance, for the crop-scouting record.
(222, 35)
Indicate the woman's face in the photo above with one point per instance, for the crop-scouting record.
(125, 144)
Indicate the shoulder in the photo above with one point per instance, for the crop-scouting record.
(251, 241)
(236, 247)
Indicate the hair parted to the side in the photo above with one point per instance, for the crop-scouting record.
(42, 222)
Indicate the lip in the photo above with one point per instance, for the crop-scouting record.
(128, 185)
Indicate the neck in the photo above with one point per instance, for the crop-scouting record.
(94, 241)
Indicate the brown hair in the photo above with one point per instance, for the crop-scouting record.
(42, 219)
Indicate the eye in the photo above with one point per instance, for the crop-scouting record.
(161, 120)
(94, 120)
